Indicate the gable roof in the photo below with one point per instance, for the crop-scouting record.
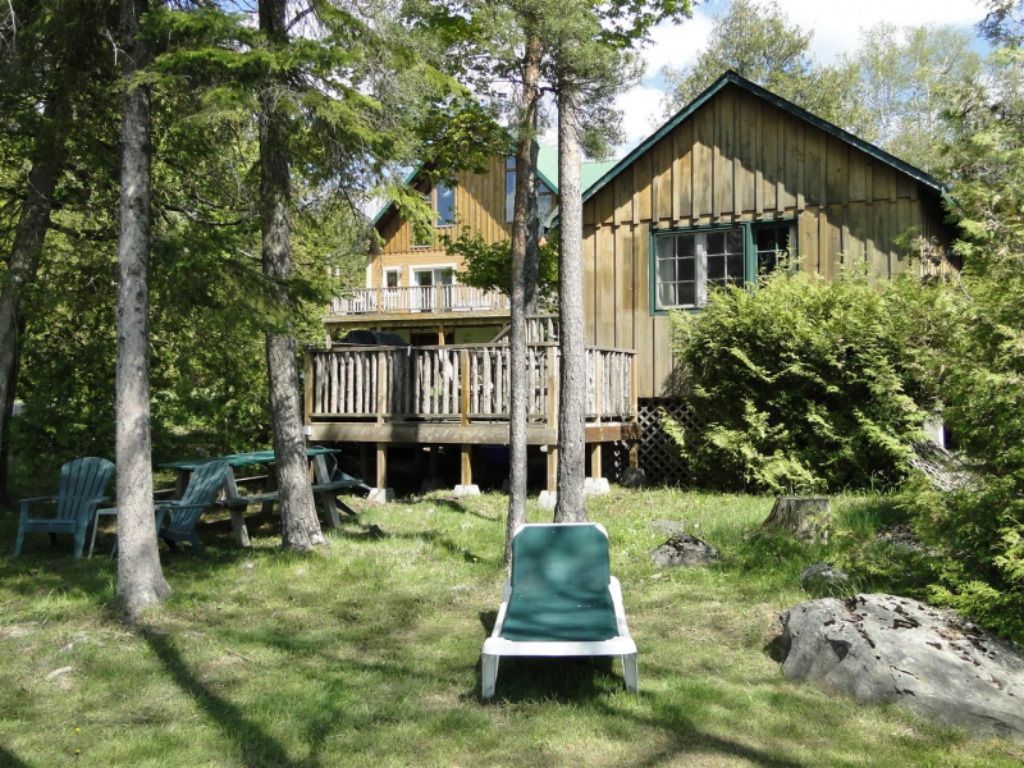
(547, 171)
(732, 78)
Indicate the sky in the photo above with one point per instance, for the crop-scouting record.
(836, 25)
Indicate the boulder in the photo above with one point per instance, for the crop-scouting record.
(823, 578)
(881, 648)
(684, 549)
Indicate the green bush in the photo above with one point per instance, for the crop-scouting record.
(809, 386)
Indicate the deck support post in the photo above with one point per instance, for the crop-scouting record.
(595, 460)
(466, 465)
(382, 465)
(552, 468)
(634, 454)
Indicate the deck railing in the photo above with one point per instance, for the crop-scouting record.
(463, 383)
(432, 298)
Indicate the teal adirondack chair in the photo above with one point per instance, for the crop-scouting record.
(561, 600)
(183, 514)
(82, 485)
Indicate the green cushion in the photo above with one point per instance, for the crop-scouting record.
(560, 578)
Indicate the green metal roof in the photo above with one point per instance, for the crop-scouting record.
(731, 77)
(547, 168)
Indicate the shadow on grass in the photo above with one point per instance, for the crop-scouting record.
(10, 760)
(258, 748)
(456, 506)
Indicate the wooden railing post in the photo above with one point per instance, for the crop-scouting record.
(464, 387)
(383, 386)
(598, 384)
(307, 405)
(552, 415)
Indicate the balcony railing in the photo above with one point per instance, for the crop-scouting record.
(459, 383)
(432, 298)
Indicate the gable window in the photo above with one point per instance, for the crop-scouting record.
(545, 201)
(444, 206)
(688, 261)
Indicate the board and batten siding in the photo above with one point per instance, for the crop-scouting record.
(479, 205)
(740, 159)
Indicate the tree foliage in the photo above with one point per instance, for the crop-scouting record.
(487, 266)
(755, 39)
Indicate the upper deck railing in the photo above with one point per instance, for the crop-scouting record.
(431, 298)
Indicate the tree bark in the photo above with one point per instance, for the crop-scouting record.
(30, 232)
(569, 506)
(300, 527)
(523, 288)
(140, 580)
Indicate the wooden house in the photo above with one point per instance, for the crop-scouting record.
(712, 197)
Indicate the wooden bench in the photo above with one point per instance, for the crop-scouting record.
(325, 492)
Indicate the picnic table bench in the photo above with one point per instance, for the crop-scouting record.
(327, 480)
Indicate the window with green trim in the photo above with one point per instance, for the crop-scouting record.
(687, 262)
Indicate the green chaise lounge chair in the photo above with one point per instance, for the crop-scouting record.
(561, 600)
(82, 485)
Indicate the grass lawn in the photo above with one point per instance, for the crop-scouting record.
(368, 655)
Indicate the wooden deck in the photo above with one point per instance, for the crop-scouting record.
(459, 395)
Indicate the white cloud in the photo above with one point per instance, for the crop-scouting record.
(836, 26)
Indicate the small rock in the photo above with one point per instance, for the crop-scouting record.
(633, 477)
(684, 549)
(823, 577)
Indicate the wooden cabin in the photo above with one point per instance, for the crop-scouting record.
(713, 197)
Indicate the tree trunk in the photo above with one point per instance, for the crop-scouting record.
(523, 288)
(808, 518)
(140, 580)
(573, 380)
(300, 527)
(30, 232)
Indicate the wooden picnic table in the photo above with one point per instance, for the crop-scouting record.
(325, 484)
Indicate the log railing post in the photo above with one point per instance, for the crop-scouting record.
(307, 405)
(383, 386)
(598, 384)
(464, 387)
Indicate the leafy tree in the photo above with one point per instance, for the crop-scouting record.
(980, 530)
(755, 39)
(49, 53)
(488, 265)
(905, 77)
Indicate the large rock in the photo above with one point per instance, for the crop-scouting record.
(823, 578)
(684, 549)
(881, 648)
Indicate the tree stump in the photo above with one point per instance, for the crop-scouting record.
(808, 518)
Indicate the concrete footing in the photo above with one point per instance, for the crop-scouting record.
(547, 500)
(467, 490)
(595, 486)
(380, 495)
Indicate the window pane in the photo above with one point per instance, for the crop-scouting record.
(666, 270)
(667, 295)
(445, 206)
(716, 267)
(735, 268)
(510, 188)
(734, 241)
(715, 242)
(685, 269)
(686, 294)
(391, 278)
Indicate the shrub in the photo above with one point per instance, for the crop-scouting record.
(811, 386)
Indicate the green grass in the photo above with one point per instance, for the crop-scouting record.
(368, 655)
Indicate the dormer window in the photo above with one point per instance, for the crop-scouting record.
(444, 206)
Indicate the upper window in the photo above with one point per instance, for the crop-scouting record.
(444, 204)
(510, 188)
(545, 201)
(687, 262)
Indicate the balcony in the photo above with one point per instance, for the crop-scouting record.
(436, 299)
